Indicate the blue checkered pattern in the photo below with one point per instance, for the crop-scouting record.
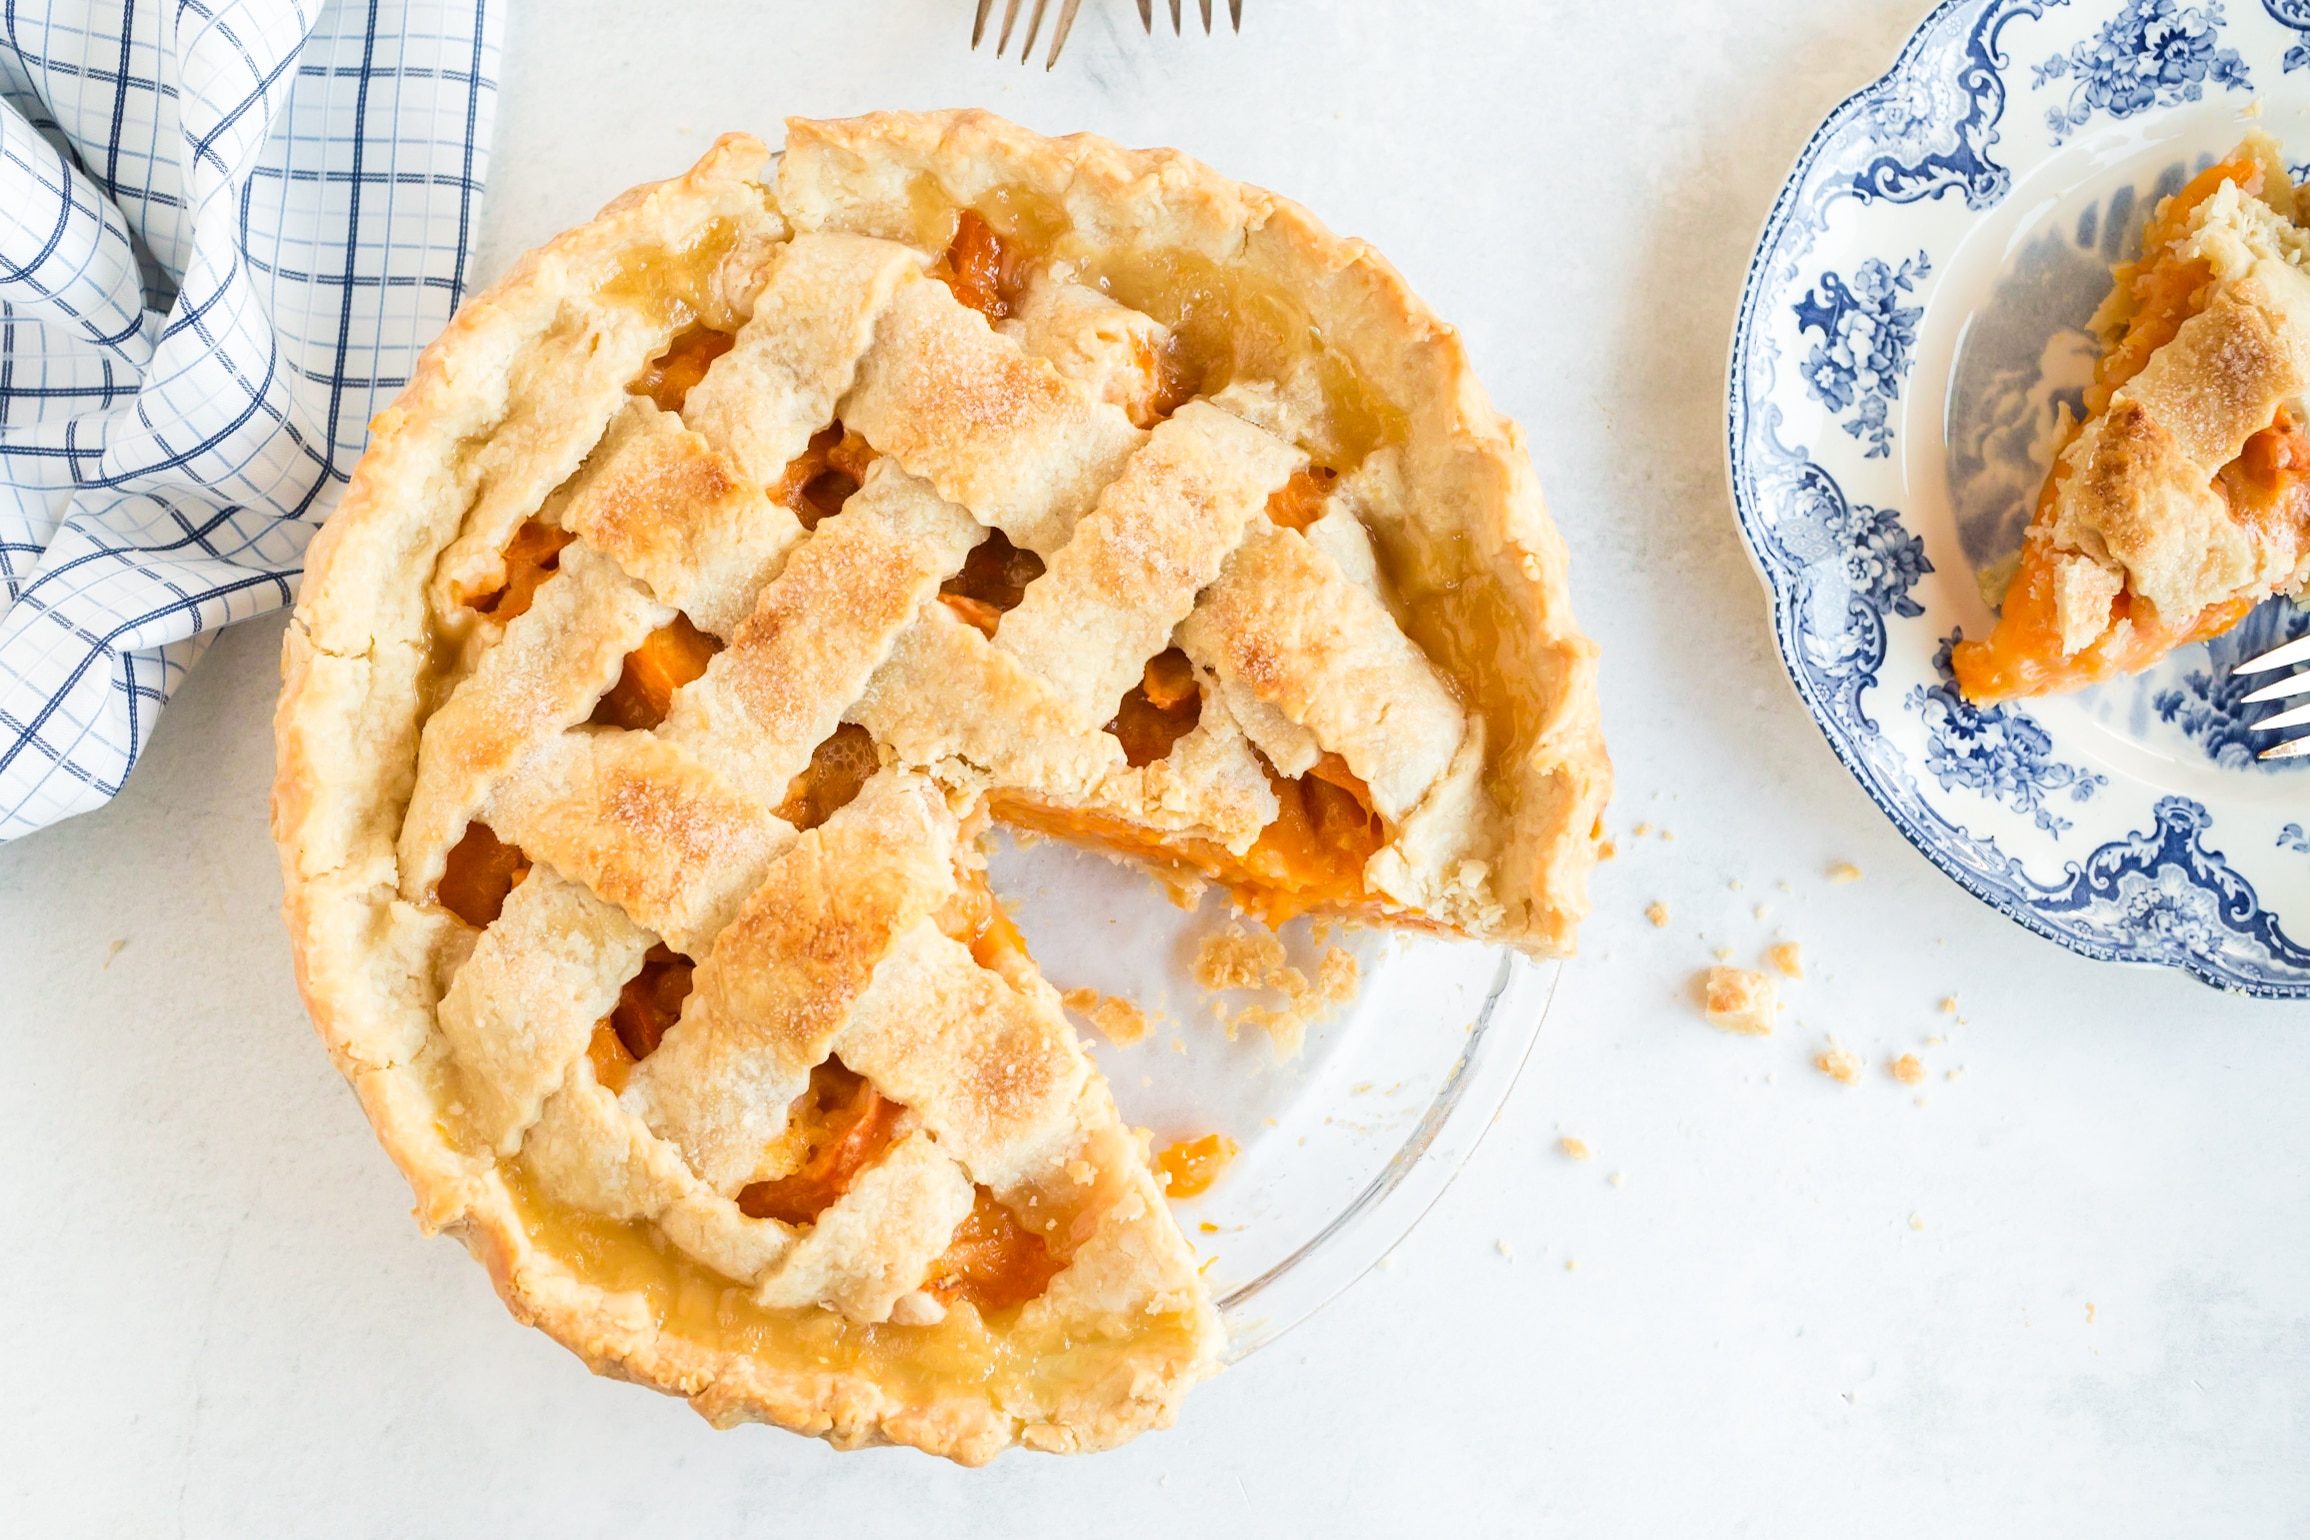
(227, 228)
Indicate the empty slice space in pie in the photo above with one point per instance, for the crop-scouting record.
(725, 574)
(2180, 501)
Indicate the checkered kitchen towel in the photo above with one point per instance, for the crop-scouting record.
(227, 227)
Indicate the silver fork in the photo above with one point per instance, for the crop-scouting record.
(2296, 651)
(1066, 24)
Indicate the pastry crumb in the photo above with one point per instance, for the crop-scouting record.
(1572, 1264)
(1787, 957)
(1506, 1250)
(1667, 835)
(1949, 1005)
(1916, 1221)
(1955, 1073)
(1907, 1070)
(1117, 1019)
(1741, 1001)
(1606, 851)
(1241, 958)
(1641, 830)
(1618, 1179)
(1722, 954)
(1934, 1040)
(1838, 1065)
(1844, 871)
(2089, 1312)
(1576, 1148)
(1657, 914)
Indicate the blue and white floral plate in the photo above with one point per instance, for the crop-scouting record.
(1912, 319)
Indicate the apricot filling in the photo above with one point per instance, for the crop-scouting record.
(842, 1124)
(669, 658)
(1189, 1167)
(2264, 487)
(480, 871)
(984, 271)
(1162, 708)
(531, 557)
(670, 375)
(648, 1005)
(993, 579)
(1310, 858)
(1299, 502)
(994, 1262)
(820, 479)
(974, 918)
(837, 769)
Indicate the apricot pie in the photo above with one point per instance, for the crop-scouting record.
(722, 572)
(2179, 503)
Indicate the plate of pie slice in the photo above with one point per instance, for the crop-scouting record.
(812, 644)
(2019, 437)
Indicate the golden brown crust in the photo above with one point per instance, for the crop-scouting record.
(504, 409)
(1451, 500)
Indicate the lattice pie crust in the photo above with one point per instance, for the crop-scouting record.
(654, 597)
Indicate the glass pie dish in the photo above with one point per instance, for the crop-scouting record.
(1342, 1148)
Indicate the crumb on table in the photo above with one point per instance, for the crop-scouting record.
(1788, 958)
(1907, 1070)
(1844, 871)
(1839, 1065)
(1576, 1148)
(1741, 1001)
(1657, 914)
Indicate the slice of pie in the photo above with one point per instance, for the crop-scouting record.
(722, 573)
(2179, 503)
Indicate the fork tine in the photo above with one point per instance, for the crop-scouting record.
(2293, 748)
(1147, 17)
(1235, 14)
(1174, 18)
(979, 26)
(2293, 684)
(2296, 651)
(1059, 34)
(1034, 25)
(2294, 717)
(1206, 4)
(1010, 14)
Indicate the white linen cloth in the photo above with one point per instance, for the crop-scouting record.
(227, 229)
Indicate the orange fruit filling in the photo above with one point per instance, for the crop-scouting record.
(531, 557)
(847, 1124)
(1162, 708)
(974, 918)
(983, 270)
(993, 1261)
(1299, 502)
(993, 579)
(481, 870)
(2264, 487)
(837, 769)
(820, 479)
(670, 375)
(1188, 1168)
(669, 658)
(1310, 858)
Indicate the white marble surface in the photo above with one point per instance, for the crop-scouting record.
(2070, 1295)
